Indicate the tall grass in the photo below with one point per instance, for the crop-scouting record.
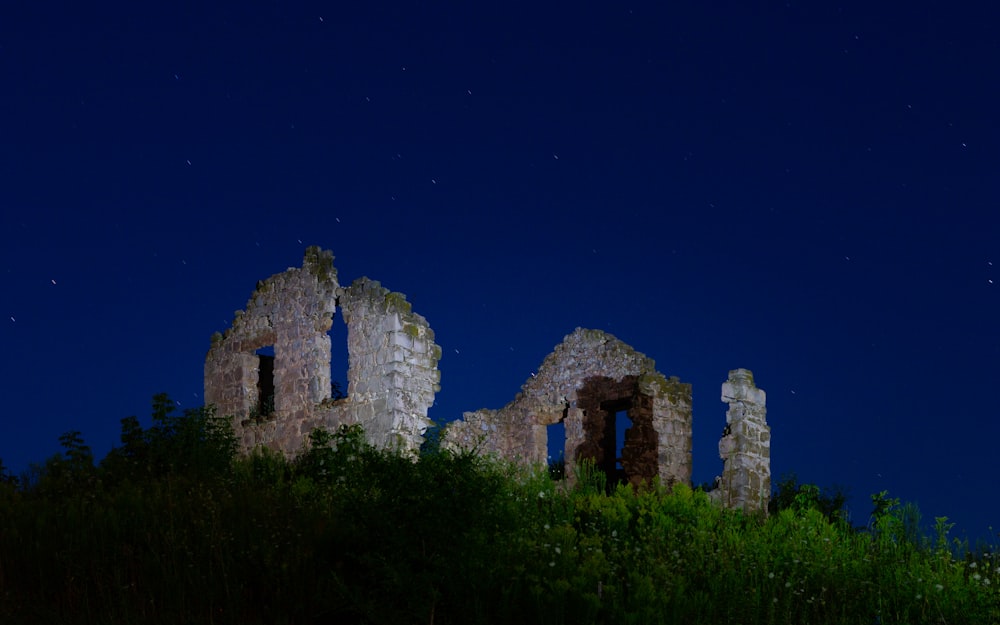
(347, 534)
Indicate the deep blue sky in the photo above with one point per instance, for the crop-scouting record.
(807, 191)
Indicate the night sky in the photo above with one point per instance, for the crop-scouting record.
(805, 189)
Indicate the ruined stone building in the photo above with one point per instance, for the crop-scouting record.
(586, 385)
(392, 371)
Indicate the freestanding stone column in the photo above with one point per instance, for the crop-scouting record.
(745, 445)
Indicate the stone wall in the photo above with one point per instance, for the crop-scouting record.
(393, 372)
(392, 375)
(587, 383)
(583, 383)
(745, 446)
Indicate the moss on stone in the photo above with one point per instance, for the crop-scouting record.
(319, 262)
(397, 301)
(216, 338)
(412, 330)
(673, 389)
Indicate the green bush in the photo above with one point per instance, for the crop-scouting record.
(174, 528)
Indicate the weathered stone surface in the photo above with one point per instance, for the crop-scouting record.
(588, 378)
(392, 375)
(745, 446)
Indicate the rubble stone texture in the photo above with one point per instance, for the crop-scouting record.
(392, 375)
(583, 383)
(587, 383)
(745, 446)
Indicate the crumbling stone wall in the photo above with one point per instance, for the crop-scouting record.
(587, 380)
(393, 372)
(589, 377)
(291, 311)
(745, 446)
(392, 375)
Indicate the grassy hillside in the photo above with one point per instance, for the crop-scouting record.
(173, 528)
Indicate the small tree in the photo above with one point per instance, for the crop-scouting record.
(68, 473)
(195, 443)
(6, 477)
(790, 494)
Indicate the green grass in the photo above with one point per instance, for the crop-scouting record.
(347, 534)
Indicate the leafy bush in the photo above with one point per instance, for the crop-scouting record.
(173, 528)
(194, 445)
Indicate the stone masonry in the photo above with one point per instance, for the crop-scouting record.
(745, 446)
(392, 375)
(584, 382)
(589, 382)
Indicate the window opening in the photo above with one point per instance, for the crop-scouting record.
(339, 360)
(265, 382)
(557, 449)
(622, 425)
(616, 422)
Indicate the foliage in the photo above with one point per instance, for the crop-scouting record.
(6, 477)
(336, 390)
(790, 494)
(195, 444)
(557, 468)
(348, 533)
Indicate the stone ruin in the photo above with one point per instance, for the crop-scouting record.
(587, 384)
(745, 446)
(276, 402)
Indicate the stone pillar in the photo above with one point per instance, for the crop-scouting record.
(672, 422)
(745, 446)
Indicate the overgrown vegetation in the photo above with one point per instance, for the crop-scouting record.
(173, 527)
